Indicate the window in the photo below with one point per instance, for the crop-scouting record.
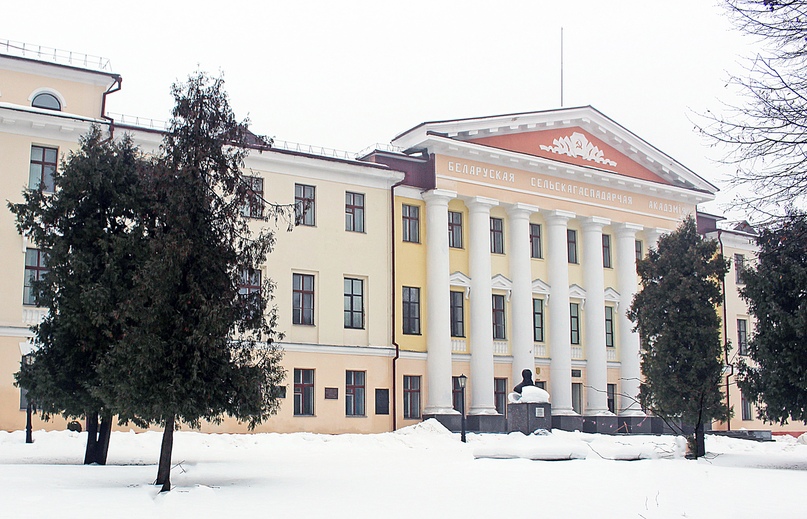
(354, 303)
(497, 235)
(411, 310)
(303, 392)
(253, 204)
(639, 250)
(745, 404)
(739, 266)
(35, 270)
(538, 320)
(305, 204)
(609, 326)
(354, 393)
(535, 241)
(457, 314)
(455, 229)
(43, 167)
(47, 101)
(354, 212)
(456, 394)
(249, 289)
(411, 223)
(571, 245)
(742, 336)
(574, 324)
(577, 397)
(381, 401)
(302, 299)
(611, 391)
(606, 251)
(411, 394)
(498, 317)
(500, 395)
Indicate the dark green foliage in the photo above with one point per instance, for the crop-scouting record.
(776, 292)
(86, 229)
(676, 317)
(195, 349)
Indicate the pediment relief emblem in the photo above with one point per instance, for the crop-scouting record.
(578, 145)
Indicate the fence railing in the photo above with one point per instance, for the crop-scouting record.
(50, 54)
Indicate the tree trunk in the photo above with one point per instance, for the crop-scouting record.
(700, 441)
(104, 432)
(91, 453)
(164, 470)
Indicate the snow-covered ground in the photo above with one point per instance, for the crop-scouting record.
(420, 471)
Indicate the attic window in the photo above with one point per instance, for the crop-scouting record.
(47, 101)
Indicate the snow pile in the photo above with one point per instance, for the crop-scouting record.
(422, 471)
(529, 394)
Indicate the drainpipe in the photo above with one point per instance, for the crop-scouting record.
(114, 87)
(725, 333)
(394, 325)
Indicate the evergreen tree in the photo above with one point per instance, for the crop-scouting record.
(776, 292)
(676, 317)
(85, 230)
(197, 348)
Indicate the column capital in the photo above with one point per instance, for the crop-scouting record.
(595, 223)
(439, 195)
(558, 217)
(654, 233)
(628, 229)
(480, 203)
(521, 209)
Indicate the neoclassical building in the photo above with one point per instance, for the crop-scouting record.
(519, 234)
(478, 247)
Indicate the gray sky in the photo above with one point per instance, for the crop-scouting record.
(352, 73)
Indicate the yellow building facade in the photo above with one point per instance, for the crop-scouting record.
(480, 247)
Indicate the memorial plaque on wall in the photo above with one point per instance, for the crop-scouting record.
(381, 401)
(331, 393)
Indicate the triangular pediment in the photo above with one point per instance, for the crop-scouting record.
(581, 137)
(572, 145)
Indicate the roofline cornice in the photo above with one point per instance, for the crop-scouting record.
(545, 166)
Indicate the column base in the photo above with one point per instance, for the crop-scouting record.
(603, 424)
(567, 422)
(486, 423)
(529, 417)
(634, 425)
(452, 422)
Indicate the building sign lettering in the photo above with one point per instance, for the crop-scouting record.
(530, 182)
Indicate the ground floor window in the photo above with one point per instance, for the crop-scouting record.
(354, 393)
(612, 398)
(500, 395)
(411, 396)
(303, 392)
(746, 408)
(577, 397)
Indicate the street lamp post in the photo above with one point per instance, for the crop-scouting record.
(462, 380)
(29, 408)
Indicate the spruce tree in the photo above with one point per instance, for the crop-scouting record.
(85, 231)
(776, 292)
(196, 349)
(675, 313)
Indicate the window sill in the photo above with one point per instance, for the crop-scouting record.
(312, 325)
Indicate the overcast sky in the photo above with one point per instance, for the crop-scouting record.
(352, 73)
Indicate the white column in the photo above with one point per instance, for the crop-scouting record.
(652, 235)
(522, 340)
(481, 325)
(628, 339)
(594, 281)
(560, 346)
(438, 305)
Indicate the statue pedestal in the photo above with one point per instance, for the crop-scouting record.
(529, 417)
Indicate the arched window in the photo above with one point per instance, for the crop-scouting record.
(47, 101)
